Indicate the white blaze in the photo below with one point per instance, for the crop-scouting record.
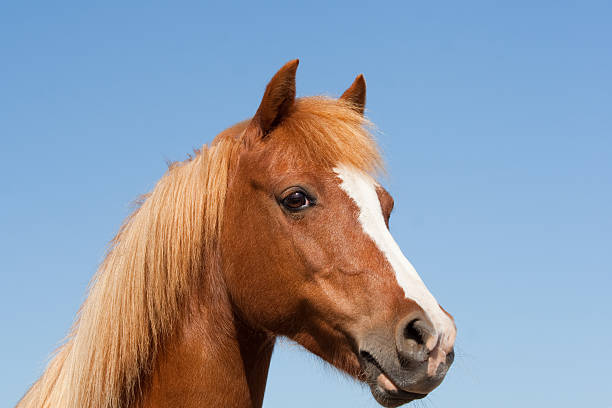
(362, 189)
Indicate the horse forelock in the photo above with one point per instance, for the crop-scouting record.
(328, 132)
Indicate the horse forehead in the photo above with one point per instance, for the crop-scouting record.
(282, 159)
(363, 189)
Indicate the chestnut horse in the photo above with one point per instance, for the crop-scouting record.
(277, 229)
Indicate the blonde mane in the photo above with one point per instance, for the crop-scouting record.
(138, 297)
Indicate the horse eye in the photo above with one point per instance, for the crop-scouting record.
(296, 201)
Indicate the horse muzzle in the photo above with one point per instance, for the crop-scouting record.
(404, 363)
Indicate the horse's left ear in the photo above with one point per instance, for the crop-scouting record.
(356, 94)
(275, 104)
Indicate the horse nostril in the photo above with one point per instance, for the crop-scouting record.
(412, 332)
(412, 335)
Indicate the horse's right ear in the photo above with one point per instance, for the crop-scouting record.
(275, 104)
(356, 94)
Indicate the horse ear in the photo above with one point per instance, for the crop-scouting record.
(275, 104)
(356, 94)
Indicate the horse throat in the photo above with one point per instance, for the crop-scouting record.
(212, 361)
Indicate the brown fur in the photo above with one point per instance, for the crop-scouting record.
(207, 272)
(356, 94)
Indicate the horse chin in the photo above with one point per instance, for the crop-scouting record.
(365, 368)
(384, 391)
(393, 398)
(383, 387)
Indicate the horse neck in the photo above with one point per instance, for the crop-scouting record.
(214, 360)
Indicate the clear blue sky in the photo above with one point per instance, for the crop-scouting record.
(495, 119)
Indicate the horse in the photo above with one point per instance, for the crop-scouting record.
(278, 228)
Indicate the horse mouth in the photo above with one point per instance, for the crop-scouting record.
(383, 388)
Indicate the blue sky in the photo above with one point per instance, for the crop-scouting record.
(495, 119)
